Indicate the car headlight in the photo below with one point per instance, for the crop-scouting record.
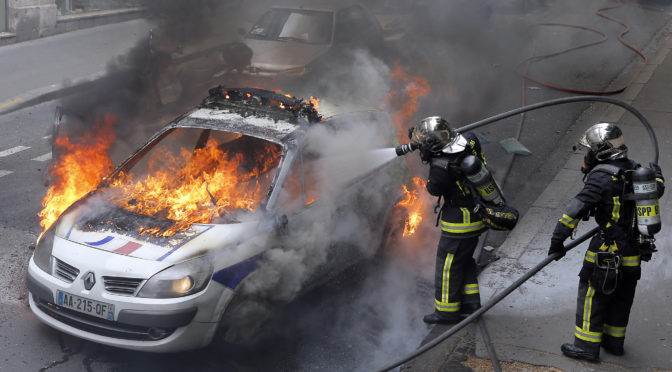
(42, 254)
(179, 280)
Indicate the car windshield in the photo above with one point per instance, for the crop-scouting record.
(195, 175)
(312, 27)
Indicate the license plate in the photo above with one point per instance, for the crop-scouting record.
(86, 306)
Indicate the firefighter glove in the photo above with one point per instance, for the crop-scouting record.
(557, 246)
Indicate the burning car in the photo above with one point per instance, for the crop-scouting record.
(175, 242)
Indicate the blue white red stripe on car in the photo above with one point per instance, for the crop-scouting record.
(131, 246)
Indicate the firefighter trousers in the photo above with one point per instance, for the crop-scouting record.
(455, 277)
(601, 318)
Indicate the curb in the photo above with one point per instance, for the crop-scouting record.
(47, 93)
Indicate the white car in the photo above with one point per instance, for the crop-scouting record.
(132, 266)
(290, 40)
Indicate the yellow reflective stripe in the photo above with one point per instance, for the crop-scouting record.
(587, 308)
(631, 261)
(447, 306)
(590, 256)
(569, 221)
(616, 212)
(614, 331)
(460, 187)
(461, 227)
(587, 336)
(611, 248)
(471, 289)
(446, 276)
(660, 180)
(466, 216)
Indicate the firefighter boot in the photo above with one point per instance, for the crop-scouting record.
(613, 349)
(577, 352)
(468, 309)
(439, 318)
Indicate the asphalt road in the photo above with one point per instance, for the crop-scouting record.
(346, 329)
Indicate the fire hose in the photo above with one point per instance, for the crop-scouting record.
(496, 299)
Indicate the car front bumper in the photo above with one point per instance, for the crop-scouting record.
(144, 324)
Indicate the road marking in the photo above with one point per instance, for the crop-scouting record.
(4, 173)
(44, 157)
(12, 151)
(11, 102)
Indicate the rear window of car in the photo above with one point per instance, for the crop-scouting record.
(312, 27)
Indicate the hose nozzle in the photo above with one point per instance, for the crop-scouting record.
(405, 149)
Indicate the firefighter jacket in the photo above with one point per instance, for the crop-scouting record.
(446, 180)
(602, 196)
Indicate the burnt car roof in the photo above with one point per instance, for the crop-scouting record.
(256, 112)
(261, 113)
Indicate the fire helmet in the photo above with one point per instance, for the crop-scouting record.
(605, 141)
(435, 134)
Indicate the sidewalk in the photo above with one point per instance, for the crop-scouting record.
(530, 324)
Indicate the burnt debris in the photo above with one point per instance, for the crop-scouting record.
(121, 221)
(262, 103)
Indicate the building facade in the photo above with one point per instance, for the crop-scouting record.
(31, 19)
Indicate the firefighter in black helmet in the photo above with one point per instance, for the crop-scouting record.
(455, 281)
(611, 266)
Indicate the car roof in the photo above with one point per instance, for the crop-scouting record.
(328, 5)
(261, 113)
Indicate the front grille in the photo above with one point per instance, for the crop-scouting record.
(101, 326)
(66, 272)
(120, 285)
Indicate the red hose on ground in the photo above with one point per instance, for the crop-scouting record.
(599, 12)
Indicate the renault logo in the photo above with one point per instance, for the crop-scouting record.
(89, 280)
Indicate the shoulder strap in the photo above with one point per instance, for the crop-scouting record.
(607, 168)
(442, 163)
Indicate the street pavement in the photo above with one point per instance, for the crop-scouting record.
(32, 71)
(529, 325)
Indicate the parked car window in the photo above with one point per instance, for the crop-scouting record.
(312, 27)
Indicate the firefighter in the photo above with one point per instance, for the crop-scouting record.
(611, 266)
(455, 280)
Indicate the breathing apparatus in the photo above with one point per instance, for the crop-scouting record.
(482, 180)
(645, 191)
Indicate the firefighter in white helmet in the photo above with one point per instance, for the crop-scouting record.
(611, 266)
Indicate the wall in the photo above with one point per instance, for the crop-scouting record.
(31, 19)
(3, 18)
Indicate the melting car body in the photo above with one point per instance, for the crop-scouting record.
(134, 265)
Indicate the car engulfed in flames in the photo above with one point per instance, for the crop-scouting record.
(153, 255)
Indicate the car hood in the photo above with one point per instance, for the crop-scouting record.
(283, 55)
(197, 240)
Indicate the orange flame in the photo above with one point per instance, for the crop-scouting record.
(78, 169)
(413, 204)
(405, 100)
(187, 187)
(194, 187)
(315, 102)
